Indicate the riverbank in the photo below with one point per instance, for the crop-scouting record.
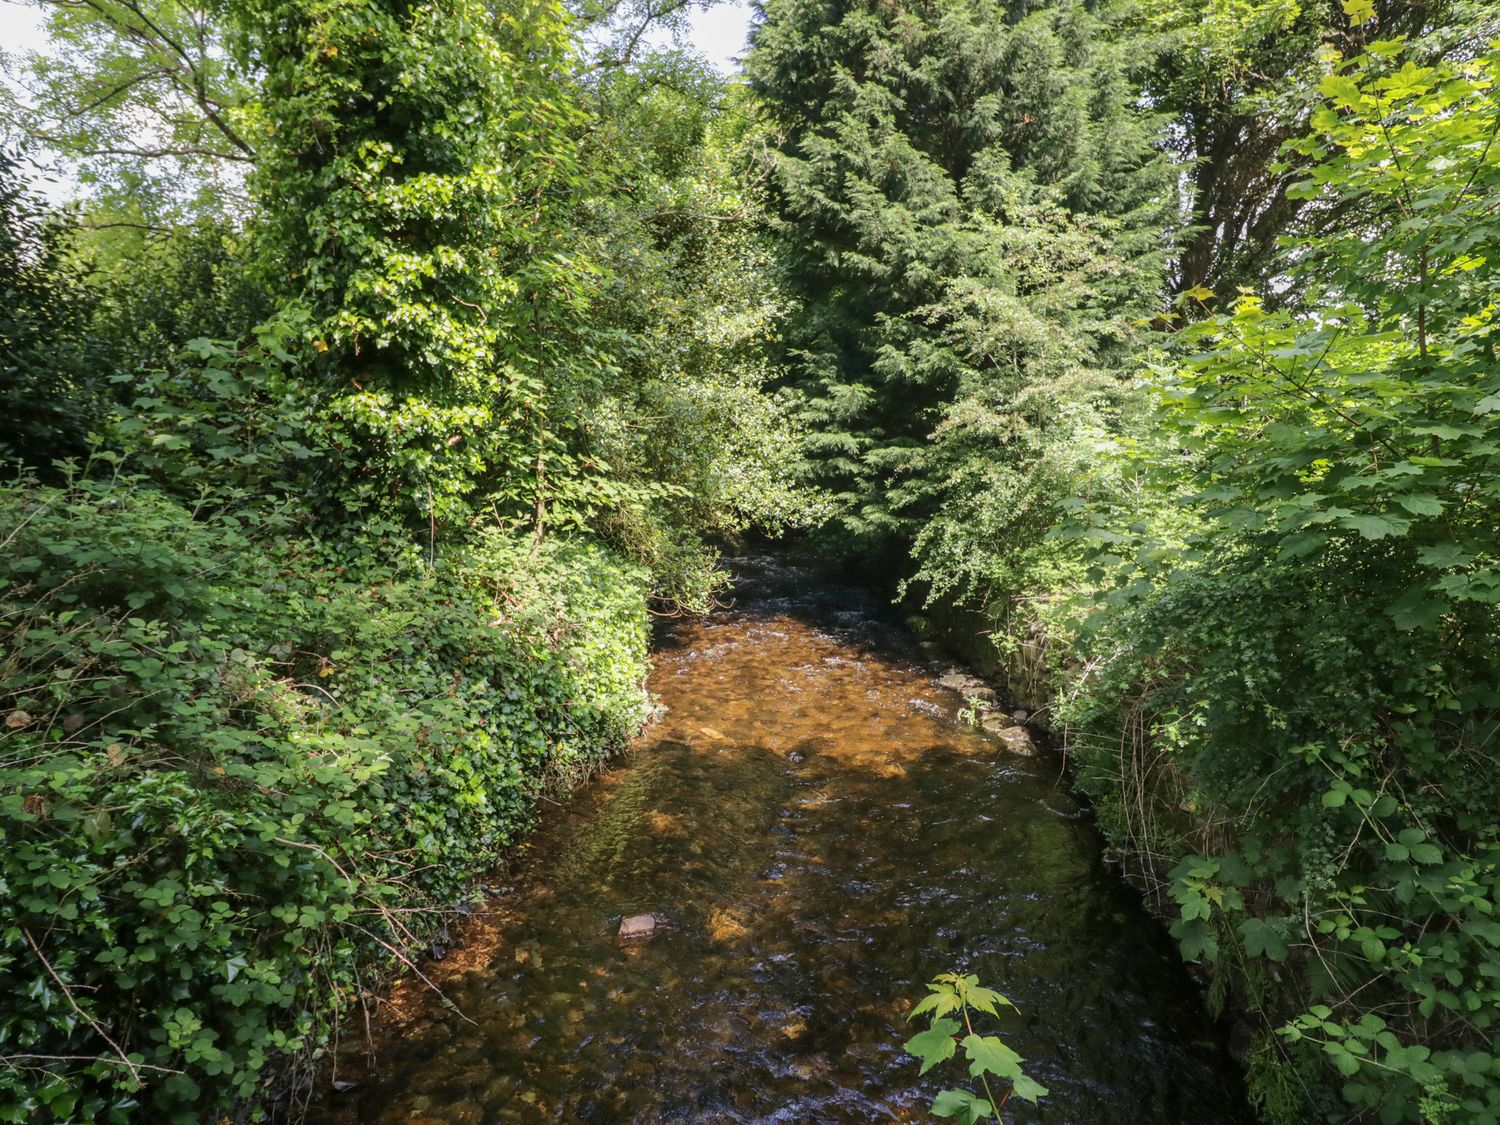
(243, 776)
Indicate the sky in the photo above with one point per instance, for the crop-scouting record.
(718, 32)
(21, 27)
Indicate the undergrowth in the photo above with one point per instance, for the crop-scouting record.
(244, 768)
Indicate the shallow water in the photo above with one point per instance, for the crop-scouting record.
(818, 834)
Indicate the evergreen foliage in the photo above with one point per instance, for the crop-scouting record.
(970, 209)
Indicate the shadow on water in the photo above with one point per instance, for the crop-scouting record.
(818, 835)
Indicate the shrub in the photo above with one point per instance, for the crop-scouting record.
(230, 751)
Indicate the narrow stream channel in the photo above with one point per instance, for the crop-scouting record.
(818, 834)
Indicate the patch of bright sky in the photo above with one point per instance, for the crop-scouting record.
(719, 32)
(21, 27)
(22, 30)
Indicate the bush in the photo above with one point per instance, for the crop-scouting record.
(231, 749)
(1308, 676)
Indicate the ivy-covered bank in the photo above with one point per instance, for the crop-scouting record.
(336, 495)
(246, 771)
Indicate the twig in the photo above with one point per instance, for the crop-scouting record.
(407, 961)
(90, 1020)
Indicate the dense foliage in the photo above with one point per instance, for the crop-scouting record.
(1317, 653)
(235, 766)
(356, 420)
(970, 210)
(1261, 547)
(332, 519)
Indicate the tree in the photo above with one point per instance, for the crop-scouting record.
(418, 167)
(145, 105)
(968, 207)
(697, 446)
(1239, 82)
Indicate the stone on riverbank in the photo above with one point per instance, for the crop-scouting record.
(970, 687)
(1017, 739)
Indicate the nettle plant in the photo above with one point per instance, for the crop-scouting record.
(955, 995)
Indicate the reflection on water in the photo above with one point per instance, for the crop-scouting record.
(818, 835)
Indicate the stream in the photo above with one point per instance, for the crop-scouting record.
(817, 834)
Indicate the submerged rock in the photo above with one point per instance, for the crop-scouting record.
(970, 687)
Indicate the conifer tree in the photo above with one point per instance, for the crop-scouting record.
(969, 204)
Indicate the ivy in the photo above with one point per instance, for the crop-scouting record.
(239, 773)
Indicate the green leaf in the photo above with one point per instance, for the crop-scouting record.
(1261, 938)
(1376, 527)
(987, 1054)
(940, 1001)
(936, 1044)
(986, 999)
(1427, 853)
(1028, 1089)
(1415, 609)
(963, 1106)
(1343, 1061)
(1421, 504)
(1442, 556)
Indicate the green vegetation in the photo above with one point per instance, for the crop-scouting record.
(331, 520)
(952, 994)
(1257, 532)
(1311, 656)
(361, 407)
(238, 755)
(971, 215)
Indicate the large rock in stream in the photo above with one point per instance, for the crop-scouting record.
(638, 927)
(1017, 738)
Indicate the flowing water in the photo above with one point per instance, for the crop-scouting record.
(818, 834)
